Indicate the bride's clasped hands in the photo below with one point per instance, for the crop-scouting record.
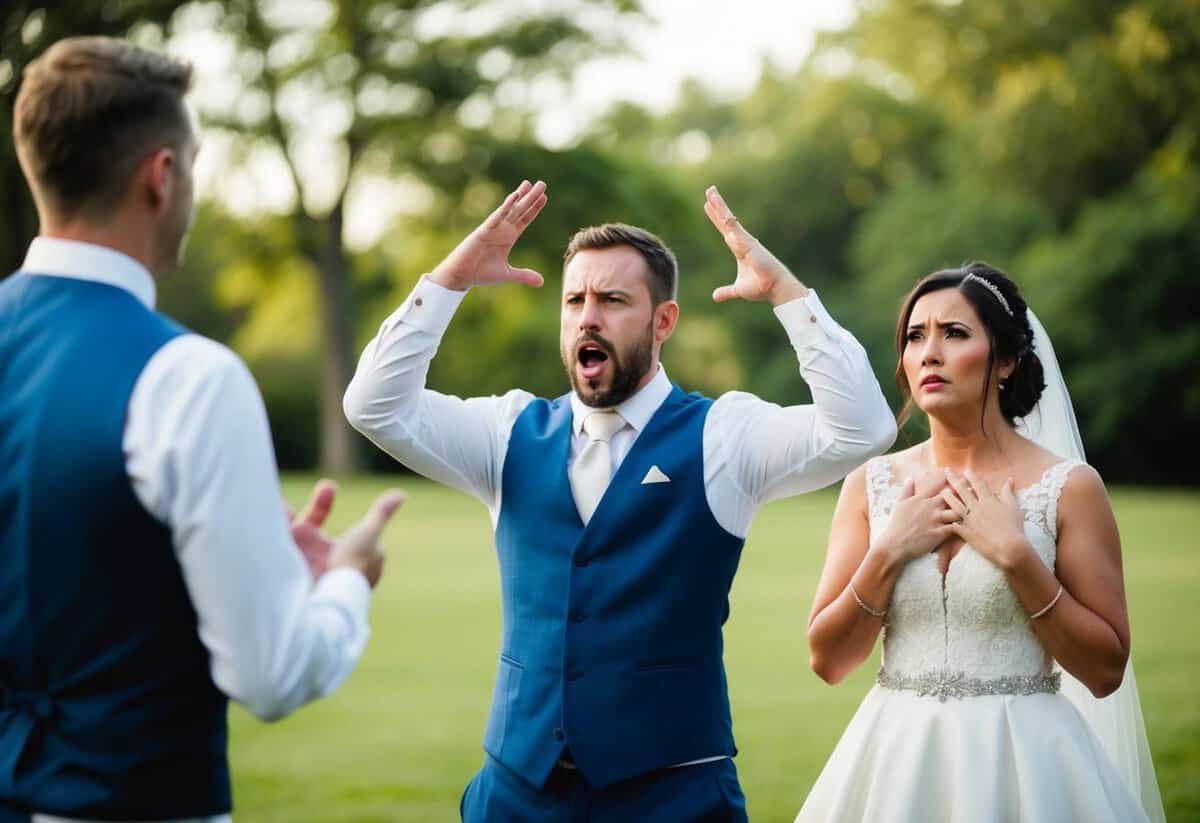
(990, 522)
(923, 520)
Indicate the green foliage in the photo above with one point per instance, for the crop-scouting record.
(1120, 286)
(1056, 140)
(376, 88)
(801, 160)
(1070, 159)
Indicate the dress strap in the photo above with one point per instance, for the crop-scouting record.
(1040, 501)
(1056, 482)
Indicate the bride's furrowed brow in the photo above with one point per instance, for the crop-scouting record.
(939, 324)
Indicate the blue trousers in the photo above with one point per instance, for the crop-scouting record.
(704, 793)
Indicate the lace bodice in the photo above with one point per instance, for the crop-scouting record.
(970, 623)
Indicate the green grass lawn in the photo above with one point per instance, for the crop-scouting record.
(402, 736)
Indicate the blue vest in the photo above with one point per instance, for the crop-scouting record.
(107, 707)
(612, 632)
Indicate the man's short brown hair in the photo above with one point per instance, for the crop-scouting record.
(660, 260)
(88, 111)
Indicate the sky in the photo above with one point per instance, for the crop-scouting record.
(722, 43)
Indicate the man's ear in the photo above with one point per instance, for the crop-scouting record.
(666, 315)
(160, 174)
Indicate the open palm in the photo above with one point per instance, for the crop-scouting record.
(760, 275)
(481, 259)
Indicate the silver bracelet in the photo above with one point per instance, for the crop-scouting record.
(880, 613)
(1049, 605)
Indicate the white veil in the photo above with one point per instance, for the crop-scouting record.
(1116, 719)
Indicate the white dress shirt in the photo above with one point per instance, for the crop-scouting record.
(198, 453)
(754, 451)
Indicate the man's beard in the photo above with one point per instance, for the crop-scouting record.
(628, 369)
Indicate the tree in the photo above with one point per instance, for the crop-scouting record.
(342, 92)
(1071, 151)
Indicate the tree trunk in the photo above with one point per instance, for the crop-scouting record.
(340, 452)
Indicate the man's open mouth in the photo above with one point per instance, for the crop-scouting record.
(593, 359)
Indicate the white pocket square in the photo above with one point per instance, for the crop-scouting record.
(655, 475)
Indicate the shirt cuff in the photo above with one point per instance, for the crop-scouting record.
(349, 588)
(806, 321)
(429, 307)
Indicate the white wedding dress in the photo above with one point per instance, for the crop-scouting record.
(966, 722)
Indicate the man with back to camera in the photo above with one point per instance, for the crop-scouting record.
(620, 511)
(147, 571)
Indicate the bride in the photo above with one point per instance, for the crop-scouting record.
(992, 564)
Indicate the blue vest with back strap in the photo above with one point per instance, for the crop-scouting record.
(612, 632)
(107, 707)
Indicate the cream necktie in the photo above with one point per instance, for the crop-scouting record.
(593, 467)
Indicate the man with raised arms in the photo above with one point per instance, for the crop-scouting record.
(620, 511)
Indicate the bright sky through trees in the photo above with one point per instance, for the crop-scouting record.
(718, 42)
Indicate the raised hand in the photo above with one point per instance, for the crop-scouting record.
(760, 275)
(920, 522)
(991, 523)
(481, 259)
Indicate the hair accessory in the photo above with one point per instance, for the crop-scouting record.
(992, 287)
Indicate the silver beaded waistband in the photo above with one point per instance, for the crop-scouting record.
(946, 684)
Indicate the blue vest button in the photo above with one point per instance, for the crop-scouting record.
(581, 560)
(573, 673)
(560, 735)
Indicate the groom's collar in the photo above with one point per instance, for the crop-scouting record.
(637, 410)
(88, 261)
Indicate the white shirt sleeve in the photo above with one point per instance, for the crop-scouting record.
(460, 443)
(198, 452)
(756, 451)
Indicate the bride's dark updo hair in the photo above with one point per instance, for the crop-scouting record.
(1006, 323)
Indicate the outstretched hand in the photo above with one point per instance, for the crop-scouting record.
(358, 548)
(481, 259)
(760, 275)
